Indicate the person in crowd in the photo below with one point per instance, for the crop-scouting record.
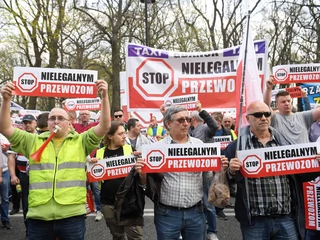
(134, 136)
(42, 122)
(118, 115)
(204, 127)
(57, 191)
(223, 131)
(1, 166)
(4, 187)
(84, 122)
(266, 207)
(227, 123)
(155, 131)
(179, 209)
(18, 163)
(72, 116)
(115, 146)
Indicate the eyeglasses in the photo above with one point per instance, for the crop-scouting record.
(182, 120)
(57, 118)
(260, 114)
(118, 116)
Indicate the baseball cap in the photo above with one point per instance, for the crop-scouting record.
(28, 118)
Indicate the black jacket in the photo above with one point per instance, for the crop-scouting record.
(129, 201)
(242, 210)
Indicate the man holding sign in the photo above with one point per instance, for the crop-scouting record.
(178, 206)
(266, 207)
(57, 191)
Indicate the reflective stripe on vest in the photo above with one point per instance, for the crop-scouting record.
(40, 185)
(71, 165)
(42, 166)
(74, 183)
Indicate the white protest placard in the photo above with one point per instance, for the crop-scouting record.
(311, 193)
(223, 140)
(75, 104)
(181, 157)
(283, 160)
(188, 101)
(110, 168)
(55, 82)
(297, 73)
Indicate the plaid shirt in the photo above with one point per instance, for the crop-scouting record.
(268, 195)
(181, 189)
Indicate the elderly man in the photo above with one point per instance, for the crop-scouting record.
(179, 208)
(267, 207)
(57, 192)
(84, 119)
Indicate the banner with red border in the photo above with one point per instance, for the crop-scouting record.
(110, 168)
(297, 73)
(55, 82)
(75, 104)
(181, 157)
(154, 75)
(311, 193)
(275, 161)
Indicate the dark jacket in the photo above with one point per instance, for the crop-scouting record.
(242, 210)
(204, 131)
(226, 132)
(129, 201)
(153, 186)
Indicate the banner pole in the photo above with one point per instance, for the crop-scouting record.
(243, 79)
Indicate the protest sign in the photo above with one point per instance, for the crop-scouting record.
(311, 192)
(54, 82)
(110, 168)
(297, 73)
(223, 140)
(75, 104)
(154, 75)
(282, 160)
(187, 101)
(181, 157)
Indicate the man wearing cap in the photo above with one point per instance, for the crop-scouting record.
(57, 191)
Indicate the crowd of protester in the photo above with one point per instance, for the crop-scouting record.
(52, 191)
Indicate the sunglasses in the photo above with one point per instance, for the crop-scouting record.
(58, 118)
(260, 114)
(182, 120)
(118, 116)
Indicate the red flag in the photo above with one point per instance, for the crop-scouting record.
(252, 83)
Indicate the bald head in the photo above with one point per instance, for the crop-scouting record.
(256, 105)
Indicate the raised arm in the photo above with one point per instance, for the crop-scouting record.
(6, 127)
(105, 117)
(268, 91)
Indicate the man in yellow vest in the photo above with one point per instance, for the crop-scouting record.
(155, 131)
(57, 191)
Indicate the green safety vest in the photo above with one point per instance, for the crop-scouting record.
(159, 132)
(59, 175)
(127, 150)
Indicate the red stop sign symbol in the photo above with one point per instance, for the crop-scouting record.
(97, 171)
(154, 79)
(27, 82)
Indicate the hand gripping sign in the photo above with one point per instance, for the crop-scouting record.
(75, 104)
(297, 73)
(311, 192)
(284, 160)
(181, 157)
(53, 82)
(110, 168)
